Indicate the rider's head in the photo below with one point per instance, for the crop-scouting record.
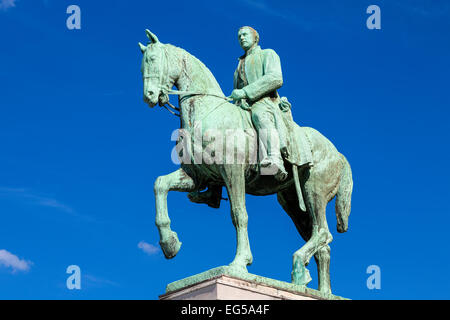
(248, 37)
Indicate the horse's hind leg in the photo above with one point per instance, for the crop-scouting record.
(233, 176)
(320, 238)
(302, 220)
(304, 223)
(175, 181)
(322, 258)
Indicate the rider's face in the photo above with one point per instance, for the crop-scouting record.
(246, 38)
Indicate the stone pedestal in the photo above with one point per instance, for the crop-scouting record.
(224, 283)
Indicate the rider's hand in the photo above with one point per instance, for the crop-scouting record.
(238, 94)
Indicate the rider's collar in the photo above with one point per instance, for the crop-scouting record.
(251, 51)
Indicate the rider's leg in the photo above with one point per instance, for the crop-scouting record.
(264, 120)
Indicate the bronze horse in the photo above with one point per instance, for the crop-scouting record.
(165, 66)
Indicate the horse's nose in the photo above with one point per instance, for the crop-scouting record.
(150, 93)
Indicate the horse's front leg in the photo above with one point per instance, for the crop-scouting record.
(235, 182)
(175, 181)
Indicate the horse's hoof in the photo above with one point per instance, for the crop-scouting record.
(325, 291)
(239, 268)
(240, 264)
(300, 275)
(171, 245)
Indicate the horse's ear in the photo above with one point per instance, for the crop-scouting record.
(143, 48)
(153, 38)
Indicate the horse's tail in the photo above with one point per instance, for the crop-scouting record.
(344, 197)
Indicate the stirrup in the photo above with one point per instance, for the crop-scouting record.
(281, 173)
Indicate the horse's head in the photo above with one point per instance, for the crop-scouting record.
(155, 71)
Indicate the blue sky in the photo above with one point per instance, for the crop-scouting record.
(80, 150)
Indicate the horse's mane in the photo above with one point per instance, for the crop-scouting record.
(197, 69)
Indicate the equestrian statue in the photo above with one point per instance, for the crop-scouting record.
(249, 144)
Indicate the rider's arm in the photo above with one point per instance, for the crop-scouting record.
(271, 80)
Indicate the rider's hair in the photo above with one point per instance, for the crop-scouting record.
(254, 32)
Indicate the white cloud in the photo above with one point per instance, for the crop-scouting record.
(93, 281)
(33, 198)
(148, 248)
(6, 4)
(424, 8)
(264, 7)
(9, 260)
(296, 17)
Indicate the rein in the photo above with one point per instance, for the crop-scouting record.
(191, 93)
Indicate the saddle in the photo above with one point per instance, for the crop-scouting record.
(295, 146)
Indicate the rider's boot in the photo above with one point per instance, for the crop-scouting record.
(274, 165)
(272, 162)
(211, 197)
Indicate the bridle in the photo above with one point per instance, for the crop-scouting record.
(165, 89)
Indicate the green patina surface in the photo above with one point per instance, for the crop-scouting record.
(304, 169)
(236, 273)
